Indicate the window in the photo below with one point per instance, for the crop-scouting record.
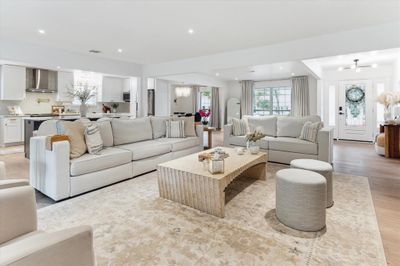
(205, 100)
(92, 80)
(272, 101)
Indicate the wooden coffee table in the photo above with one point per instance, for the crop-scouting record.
(185, 180)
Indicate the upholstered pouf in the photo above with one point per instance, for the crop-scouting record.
(301, 199)
(320, 167)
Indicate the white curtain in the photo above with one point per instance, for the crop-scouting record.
(215, 111)
(195, 98)
(247, 97)
(300, 96)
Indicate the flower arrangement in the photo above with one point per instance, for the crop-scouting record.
(253, 137)
(114, 106)
(386, 98)
(82, 92)
(205, 114)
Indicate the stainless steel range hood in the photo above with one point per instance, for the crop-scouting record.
(41, 80)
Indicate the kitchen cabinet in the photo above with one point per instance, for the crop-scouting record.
(65, 81)
(112, 90)
(12, 130)
(13, 82)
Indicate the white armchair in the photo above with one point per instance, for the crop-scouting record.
(22, 244)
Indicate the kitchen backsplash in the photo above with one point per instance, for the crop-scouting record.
(40, 103)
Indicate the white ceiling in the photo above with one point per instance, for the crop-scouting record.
(263, 72)
(382, 57)
(156, 31)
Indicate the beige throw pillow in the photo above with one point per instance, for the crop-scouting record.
(189, 125)
(76, 133)
(94, 142)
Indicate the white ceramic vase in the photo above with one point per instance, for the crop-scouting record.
(83, 110)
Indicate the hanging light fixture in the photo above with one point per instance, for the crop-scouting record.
(182, 91)
(356, 67)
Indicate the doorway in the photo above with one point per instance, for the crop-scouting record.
(355, 110)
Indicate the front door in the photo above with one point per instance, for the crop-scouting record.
(355, 110)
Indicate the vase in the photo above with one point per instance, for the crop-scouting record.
(388, 114)
(252, 147)
(114, 110)
(204, 121)
(83, 110)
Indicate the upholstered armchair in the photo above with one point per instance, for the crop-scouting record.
(22, 244)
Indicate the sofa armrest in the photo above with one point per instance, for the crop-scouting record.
(200, 134)
(72, 246)
(17, 212)
(227, 134)
(9, 183)
(49, 170)
(325, 144)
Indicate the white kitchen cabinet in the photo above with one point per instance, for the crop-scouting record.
(112, 90)
(13, 82)
(65, 82)
(12, 130)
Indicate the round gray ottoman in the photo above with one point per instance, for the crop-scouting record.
(301, 199)
(320, 167)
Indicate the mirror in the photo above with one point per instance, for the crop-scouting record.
(233, 109)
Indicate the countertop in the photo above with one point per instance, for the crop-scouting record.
(62, 117)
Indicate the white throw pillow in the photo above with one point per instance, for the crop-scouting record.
(158, 126)
(189, 125)
(93, 139)
(239, 127)
(175, 129)
(310, 130)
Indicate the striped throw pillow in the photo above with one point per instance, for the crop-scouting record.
(239, 127)
(310, 130)
(94, 142)
(175, 129)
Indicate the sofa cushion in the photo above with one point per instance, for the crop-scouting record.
(241, 141)
(105, 128)
(239, 127)
(146, 149)
(158, 126)
(76, 133)
(189, 125)
(180, 144)
(175, 129)
(291, 126)
(131, 130)
(264, 124)
(108, 157)
(292, 145)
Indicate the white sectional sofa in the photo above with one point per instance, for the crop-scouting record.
(282, 143)
(132, 147)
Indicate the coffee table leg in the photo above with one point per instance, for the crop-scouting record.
(257, 171)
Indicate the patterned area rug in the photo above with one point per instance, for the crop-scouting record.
(133, 226)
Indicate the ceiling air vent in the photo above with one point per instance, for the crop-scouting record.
(93, 51)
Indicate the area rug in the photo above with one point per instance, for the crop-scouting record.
(133, 226)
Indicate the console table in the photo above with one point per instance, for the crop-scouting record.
(392, 141)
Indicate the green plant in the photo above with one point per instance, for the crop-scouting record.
(114, 105)
(82, 92)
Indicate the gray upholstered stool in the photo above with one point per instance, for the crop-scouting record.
(320, 167)
(301, 199)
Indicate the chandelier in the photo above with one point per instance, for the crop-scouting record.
(355, 66)
(182, 91)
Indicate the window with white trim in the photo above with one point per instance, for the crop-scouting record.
(92, 80)
(272, 100)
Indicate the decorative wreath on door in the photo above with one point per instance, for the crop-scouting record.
(355, 98)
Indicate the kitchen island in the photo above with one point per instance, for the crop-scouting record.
(33, 123)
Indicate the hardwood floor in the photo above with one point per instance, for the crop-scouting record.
(349, 157)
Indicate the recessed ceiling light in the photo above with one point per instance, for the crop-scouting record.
(190, 31)
(281, 67)
(119, 50)
(58, 67)
(374, 65)
(41, 31)
(236, 79)
(292, 74)
(340, 69)
(217, 74)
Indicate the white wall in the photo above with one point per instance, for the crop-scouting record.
(396, 75)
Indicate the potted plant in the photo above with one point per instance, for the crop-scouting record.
(251, 139)
(205, 114)
(83, 93)
(114, 107)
